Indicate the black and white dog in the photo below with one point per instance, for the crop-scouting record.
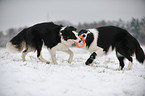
(104, 39)
(54, 37)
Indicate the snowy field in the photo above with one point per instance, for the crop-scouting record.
(34, 78)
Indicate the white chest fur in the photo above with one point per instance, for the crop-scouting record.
(93, 47)
(64, 45)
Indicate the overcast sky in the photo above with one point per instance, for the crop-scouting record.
(18, 13)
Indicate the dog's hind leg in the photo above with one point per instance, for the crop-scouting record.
(130, 65)
(144, 63)
(121, 60)
(25, 52)
(42, 59)
(39, 55)
(130, 62)
(71, 55)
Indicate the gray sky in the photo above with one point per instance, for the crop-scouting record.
(18, 13)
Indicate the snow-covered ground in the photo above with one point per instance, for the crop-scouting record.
(34, 78)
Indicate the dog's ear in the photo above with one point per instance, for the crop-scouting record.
(89, 39)
(82, 31)
(73, 28)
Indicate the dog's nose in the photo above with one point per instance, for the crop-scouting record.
(84, 35)
(80, 40)
(77, 39)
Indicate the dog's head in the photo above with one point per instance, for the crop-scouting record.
(87, 35)
(84, 33)
(69, 33)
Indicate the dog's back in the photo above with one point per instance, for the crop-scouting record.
(108, 36)
(48, 32)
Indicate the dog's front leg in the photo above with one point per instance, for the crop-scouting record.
(95, 53)
(91, 59)
(53, 56)
(71, 54)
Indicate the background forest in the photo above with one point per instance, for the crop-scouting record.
(136, 27)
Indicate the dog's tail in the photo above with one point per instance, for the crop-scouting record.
(140, 56)
(17, 43)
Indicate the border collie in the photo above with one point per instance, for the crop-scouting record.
(104, 39)
(54, 37)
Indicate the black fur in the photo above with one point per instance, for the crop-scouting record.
(67, 33)
(18, 39)
(120, 40)
(47, 33)
(91, 58)
(33, 36)
(89, 39)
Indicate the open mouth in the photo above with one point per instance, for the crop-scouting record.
(81, 39)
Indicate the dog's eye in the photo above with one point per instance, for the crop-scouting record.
(84, 35)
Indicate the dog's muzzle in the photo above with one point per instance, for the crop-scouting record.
(77, 40)
(80, 40)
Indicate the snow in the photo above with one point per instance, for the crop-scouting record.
(34, 78)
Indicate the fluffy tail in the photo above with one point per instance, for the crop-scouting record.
(140, 56)
(17, 43)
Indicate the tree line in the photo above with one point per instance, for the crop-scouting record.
(135, 27)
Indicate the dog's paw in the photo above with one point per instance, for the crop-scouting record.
(69, 61)
(119, 69)
(47, 62)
